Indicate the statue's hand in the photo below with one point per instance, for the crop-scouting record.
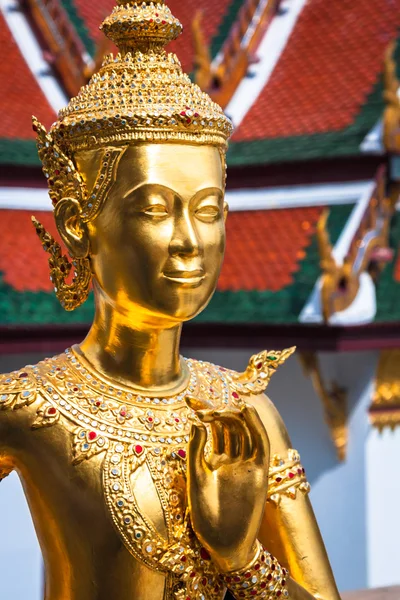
(227, 486)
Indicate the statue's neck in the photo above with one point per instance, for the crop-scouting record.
(135, 351)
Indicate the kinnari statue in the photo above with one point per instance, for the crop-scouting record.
(150, 476)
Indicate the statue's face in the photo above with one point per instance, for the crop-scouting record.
(157, 245)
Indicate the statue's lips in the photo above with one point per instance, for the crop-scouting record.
(189, 278)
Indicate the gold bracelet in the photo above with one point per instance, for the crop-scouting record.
(262, 578)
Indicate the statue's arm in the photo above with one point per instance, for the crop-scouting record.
(289, 529)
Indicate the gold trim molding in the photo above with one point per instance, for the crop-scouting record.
(333, 400)
(385, 407)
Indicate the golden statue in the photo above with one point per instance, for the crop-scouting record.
(150, 476)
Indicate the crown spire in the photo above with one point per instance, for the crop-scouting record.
(141, 26)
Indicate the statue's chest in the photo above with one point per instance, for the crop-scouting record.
(140, 444)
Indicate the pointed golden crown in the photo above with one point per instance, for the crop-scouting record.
(142, 93)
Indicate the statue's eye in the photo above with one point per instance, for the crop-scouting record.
(208, 213)
(156, 210)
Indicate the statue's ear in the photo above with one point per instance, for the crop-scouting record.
(72, 229)
(226, 210)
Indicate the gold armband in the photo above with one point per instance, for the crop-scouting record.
(286, 476)
(262, 578)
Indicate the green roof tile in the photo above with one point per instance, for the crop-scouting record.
(19, 152)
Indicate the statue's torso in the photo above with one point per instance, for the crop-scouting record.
(105, 473)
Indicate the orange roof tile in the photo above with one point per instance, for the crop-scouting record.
(264, 249)
(20, 93)
(329, 66)
(94, 13)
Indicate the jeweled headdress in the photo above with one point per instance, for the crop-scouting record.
(140, 95)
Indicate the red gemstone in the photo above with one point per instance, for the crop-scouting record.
(23, 374)
(263, 585)
(183, 559)
(204, 554)
(122, 413)
(176, 420)
(34, 127)
(259, 365)
(247, 575)
(75, 389)
(278, 479)
(92, 435)
(236, 578)
(235, 394)
(98, 403)
(291, 475)
(138, 449)
(257, 566)
(269, 576)
(193, 574)
(197, 115)
(188, 121)
(183, 113)
(299, 471)
(283, 581)
(163, 22)
(278, 593)
(253, 592)
(150, 419)
(182, 453)
(57, 172)
(52, 411)
(227, 579)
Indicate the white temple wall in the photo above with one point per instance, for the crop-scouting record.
(357, 517)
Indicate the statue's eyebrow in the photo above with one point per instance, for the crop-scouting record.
(145, 184)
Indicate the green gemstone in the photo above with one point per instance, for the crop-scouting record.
(272, 357)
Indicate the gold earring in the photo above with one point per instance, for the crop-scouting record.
(71, 295)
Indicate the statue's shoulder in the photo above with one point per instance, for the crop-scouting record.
(22, 388)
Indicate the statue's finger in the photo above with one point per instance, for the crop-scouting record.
(197, 404)
(258, 434)
(237, 437)
(196, 458)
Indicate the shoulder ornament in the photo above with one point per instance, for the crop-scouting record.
(261, 367)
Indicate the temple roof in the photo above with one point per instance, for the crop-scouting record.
(17, 84)
(325, 93)
(322, 98)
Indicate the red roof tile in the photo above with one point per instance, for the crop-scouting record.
(93, 14)
(264, 249)
(23, 262)
(20, 93)
(329, 66)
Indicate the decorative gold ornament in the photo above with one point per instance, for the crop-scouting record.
(368, 252)
(71, 295)
(264, 578)
(334, 402)
(385, 407)
(286, 476)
